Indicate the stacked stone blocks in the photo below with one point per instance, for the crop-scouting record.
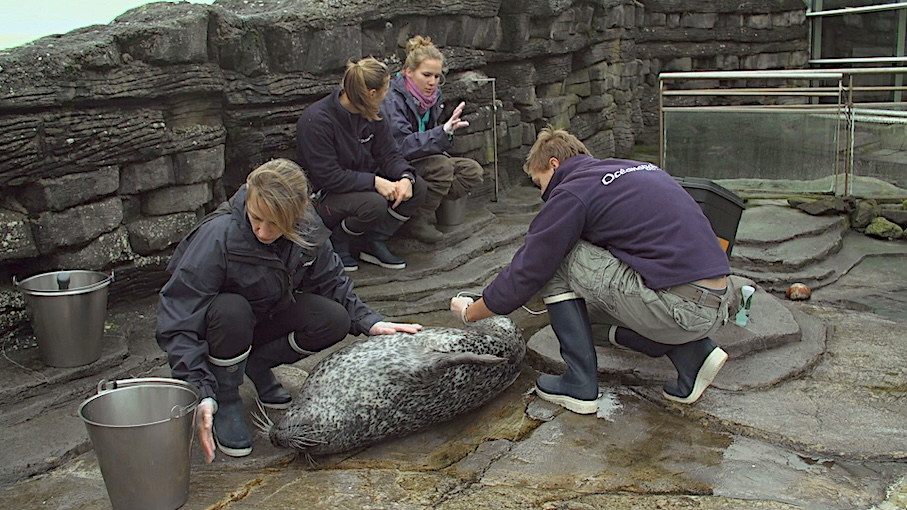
(114, 140)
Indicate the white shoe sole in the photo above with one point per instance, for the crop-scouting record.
(371, 259)
(707, 373)
(232, 452)
(570, 403)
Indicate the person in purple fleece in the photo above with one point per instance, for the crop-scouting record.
(619, 243)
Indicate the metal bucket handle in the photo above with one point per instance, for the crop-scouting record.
(87, 288)
(176, 412)
(105, 385)
(179, 411)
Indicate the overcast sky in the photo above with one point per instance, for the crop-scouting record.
(22, 21)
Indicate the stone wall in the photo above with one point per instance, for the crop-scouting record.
(716, 35)
(114, 139)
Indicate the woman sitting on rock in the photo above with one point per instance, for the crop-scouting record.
(363, 186)
(413, 109)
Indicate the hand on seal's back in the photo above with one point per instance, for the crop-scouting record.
(389, 328)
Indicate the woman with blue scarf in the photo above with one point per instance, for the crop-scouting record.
(413, 111)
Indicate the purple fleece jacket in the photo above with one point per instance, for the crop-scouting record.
(634, 210)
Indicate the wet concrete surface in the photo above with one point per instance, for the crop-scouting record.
(813, 422)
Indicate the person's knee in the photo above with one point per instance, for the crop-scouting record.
(435, 168)
(558, 285)
(469, 174)
(420, 188)
(230, 323)
(370, 208)
(331, 329)
(230, 310)
(420, 192)
(469, 170)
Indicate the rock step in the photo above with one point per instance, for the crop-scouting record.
(790, 255)
(771, 224)
(825, 271)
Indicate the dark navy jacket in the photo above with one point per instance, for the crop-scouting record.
(400, 110)
(223, 255)
(342, 152)
(634, 210)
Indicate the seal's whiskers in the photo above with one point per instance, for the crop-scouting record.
(261, 419)
(299, 437)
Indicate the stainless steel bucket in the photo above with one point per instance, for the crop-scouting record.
(67, 310)
(451, 212)
(141, 430)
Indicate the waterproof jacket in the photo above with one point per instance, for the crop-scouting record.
(222, 254)
(401, 110)
(342, 152)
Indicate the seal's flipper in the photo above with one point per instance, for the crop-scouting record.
(436, 362)
(449, 359)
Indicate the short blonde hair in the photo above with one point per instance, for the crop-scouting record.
(419, 49)
(359, 78)
(553, 143)
(281, 190)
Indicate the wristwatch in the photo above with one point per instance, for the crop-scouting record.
(411, 177)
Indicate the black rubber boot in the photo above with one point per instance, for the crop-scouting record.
(340, 239)
(230, 431)
(271, 393)
(375, 251)
(420, 226)
(577, 388)
(624, 337)
(697, 364)
(420, 229)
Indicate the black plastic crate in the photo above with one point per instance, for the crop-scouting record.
(721, 206)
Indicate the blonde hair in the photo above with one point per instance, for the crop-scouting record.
(359, 78)
(553, 143)
(281, 191)
(419, 49)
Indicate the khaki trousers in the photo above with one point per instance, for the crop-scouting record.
(616, 295)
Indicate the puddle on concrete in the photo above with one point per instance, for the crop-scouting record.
(608, 404)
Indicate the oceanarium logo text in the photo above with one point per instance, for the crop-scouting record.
(612, 176)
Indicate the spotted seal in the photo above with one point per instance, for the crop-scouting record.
(391, 385)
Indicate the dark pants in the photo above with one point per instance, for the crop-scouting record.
(363, 209)
(318, 323)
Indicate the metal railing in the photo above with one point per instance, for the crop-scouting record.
(829, 131)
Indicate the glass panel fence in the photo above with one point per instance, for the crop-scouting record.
(879, 150)
(755, 149)
(841, 131)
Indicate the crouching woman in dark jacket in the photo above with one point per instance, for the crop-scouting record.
(255, 285)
